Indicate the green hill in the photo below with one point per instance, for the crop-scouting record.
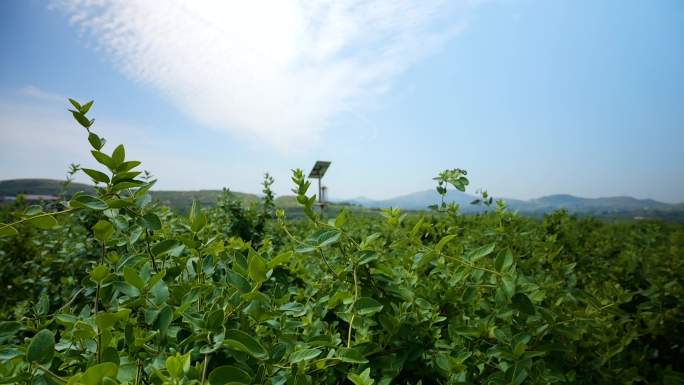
(177, 199)
(14, 187)
(182, 199)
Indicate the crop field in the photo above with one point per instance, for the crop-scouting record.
(112, 287)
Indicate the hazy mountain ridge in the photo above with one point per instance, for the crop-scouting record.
(422, 199)
(620, 206)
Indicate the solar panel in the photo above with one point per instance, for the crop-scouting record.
(319, 169)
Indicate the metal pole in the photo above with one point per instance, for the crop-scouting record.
(320, 195)
(320, 192)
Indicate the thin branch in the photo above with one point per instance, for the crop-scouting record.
(6, 225)
(356, 296)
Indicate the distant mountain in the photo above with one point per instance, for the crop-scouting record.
(416, 201)
(610, 206)
(573, 203)
(361, 201)
(614, 207)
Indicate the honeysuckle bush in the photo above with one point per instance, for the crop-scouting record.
(113, 288)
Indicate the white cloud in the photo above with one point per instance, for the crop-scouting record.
(40, 94)
(40, 140)
(270, 71)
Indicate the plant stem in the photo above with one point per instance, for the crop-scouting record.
(96, 308)
(356, 296)
(149, 251)
(53, 375)
(99, 332)
(467, 263)
(137, 373)
(326, 261)
(4, 225)
(204, 368)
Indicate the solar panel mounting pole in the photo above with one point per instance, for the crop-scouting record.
(320, 193)
(317, 172)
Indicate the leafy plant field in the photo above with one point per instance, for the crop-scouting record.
(112, 288)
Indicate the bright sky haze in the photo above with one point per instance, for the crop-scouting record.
(533, 98)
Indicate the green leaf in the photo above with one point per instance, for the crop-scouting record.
(132, 278)
(118, 156)
(42, 347)
(103, 231)
(442, 242)
(351, 355)
(442, 362)
(151, 221)
(341, 218)
(304, 355)
(105, 321)
(504, 261)
(239, 340)
(43, 221)
(175, 367)
(197, 218)
(159, 292)
(81, 119)
(367, 306)
(328, 237)
(97, 373)
(110, 354)
(86, 107)
(167, 246)
(144, 188)
(7, 354)
(480, 252)
(104, 159)
(75, 104)
(95, 141)
(7, 230)
(120, 203)
(164, 319)
(520, 375)
(229, 375)
(125, 166)
(126, 185)
(8, 329)
(125, 176)
(239, 282)
(178, 364)
(423, 304)
(522, 303)
(279, 260)
(97, 176)
(99, 273)
(304, 248)
(33, 210)
(43, 305)
(257, 267)
(508, 284)
(88, 201)
(361, 379)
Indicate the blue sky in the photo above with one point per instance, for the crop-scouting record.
(531, 97)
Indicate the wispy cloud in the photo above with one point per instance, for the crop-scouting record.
(35, 92)
(40, 139)
(271, 71)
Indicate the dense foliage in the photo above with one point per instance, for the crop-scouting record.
(114, 288)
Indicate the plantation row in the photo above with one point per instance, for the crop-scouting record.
(112, 288)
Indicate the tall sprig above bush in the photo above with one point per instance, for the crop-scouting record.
(455, 177)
